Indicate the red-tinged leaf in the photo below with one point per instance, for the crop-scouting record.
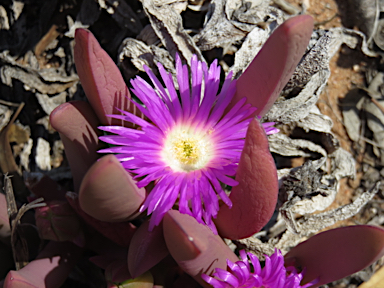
(77, 124)
(57, 221)
(103, 261)
(5, 228)
(147, 248)
(49, 270)
(166, 272)
(43, 186)
(254, 199)
(194, 246)
(117, 271)
(101, 79)
(108, 193)
(107, 251)
(121, 233)
(337, 253)
(272, 67)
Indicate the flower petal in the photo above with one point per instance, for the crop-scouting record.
(254, 199)
(272, 67)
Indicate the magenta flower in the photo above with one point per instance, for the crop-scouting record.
(321, 259)
(272, 275)
(188, 145)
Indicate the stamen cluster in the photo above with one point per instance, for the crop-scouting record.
(243, 274)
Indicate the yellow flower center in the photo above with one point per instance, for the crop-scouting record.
(186, 151)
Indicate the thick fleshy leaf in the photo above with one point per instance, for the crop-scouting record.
(48, 270)
(107, 252)
(337, 253)
(117, 271)
(77, 124)
(5, 228)
(194, 246)
(119, 232)
(101, 79)
(254, 198)
(108, 193)
(43, 186)
(166, 272)
(57, 221)
(147, 248)
(272, 67)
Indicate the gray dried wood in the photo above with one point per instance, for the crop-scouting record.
(168, 25)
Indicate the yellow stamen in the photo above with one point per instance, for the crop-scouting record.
(186, 151)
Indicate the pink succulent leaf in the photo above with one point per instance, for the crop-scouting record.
(166, 272)
(43, 186)
(101, 79)
(337, 253)
(59, 222)
(147, 248)
(103, 261)
(254, 198)
(77, 124)
(194, 246)
(121, 232)
(107, 251)
(5, 228)
(268, 73)
(117, 271)
(49, 270)
(108, 193)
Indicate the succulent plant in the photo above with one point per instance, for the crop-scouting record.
(175, 153)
